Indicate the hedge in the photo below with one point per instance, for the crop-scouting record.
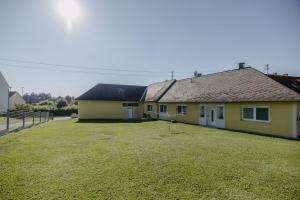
(57, 111)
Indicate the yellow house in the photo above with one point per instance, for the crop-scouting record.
(243, 99)
(152, 95)
(109, 101)
(15, 99)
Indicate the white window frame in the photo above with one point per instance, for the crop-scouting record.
(218, 110)
(204, 111)
(254, 113)
(151, 108)
(181, 105)
(163, 105)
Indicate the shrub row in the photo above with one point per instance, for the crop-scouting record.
(57, 111)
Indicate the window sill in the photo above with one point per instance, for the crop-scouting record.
(253, 120)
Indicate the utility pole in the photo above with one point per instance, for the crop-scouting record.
(22, 91)
(267, 67)
(9, 88)
(172, 75)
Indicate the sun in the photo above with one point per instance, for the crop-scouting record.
(70, 11)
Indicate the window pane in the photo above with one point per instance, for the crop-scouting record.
(125, 104)
(178, 109)
(202, 111)
(163, 108)
(262, 114)
(248, 113)
(183, 109)
(220, 113)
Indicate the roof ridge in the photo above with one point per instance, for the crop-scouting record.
(215, 73)
(119, 85)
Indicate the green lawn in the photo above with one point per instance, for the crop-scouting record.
(69, 160)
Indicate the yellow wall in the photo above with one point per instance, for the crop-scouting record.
(280, 116)
(15, 99)
(154, 112)
(298, 119)
(191, 117)
(106, 110)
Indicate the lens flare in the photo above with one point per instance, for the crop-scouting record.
(70, 11)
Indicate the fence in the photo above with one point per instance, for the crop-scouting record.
(10, 121)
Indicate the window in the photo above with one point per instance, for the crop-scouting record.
(262, 114)
(212, 115)
(162, 108)
(149, 108)
(130, 104)
(202, 111)
(181, 109)
(256, 113)
(220, 112)
(248, 113)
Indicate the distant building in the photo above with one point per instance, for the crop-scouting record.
(4, 89)
(15, 99)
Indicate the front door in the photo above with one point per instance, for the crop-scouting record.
(211, 117)
(130, 113)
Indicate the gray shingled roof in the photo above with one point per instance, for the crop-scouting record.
(12, 93)
(155, 91)
(230, 86)
(112, 92)
(291, 82)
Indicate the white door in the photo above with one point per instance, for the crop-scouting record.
(130, 113)
(211, 116)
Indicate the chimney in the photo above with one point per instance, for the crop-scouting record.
(241, 65)
(196, 74)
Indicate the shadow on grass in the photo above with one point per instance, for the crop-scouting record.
(114, 120)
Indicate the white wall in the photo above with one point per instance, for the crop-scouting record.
(15, 99)
(4, 87)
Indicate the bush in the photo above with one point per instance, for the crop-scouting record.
(61, 103)
(67, 111)
(46, 103)
(25, 107)
(64, 112)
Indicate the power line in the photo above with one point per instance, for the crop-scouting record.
(87, 67)
(74, 71)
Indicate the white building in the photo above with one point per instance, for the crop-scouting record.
(4, 90)
(15, 99)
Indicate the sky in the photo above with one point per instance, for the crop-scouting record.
(65, 47)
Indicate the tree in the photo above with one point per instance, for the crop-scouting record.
(36, 98)
(61, 103)
(68, 99)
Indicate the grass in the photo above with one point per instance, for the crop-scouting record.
(117, 160)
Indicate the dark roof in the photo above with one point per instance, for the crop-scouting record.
(291, 82)
(12, 93)
(156, 90)
(112, 92)
(238, 85)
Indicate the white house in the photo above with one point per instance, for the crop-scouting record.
(4, 90)
(15, 99)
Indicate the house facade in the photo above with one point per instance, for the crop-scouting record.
(15, 99)
(4, 90)
(109, 101)
(243, 99)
